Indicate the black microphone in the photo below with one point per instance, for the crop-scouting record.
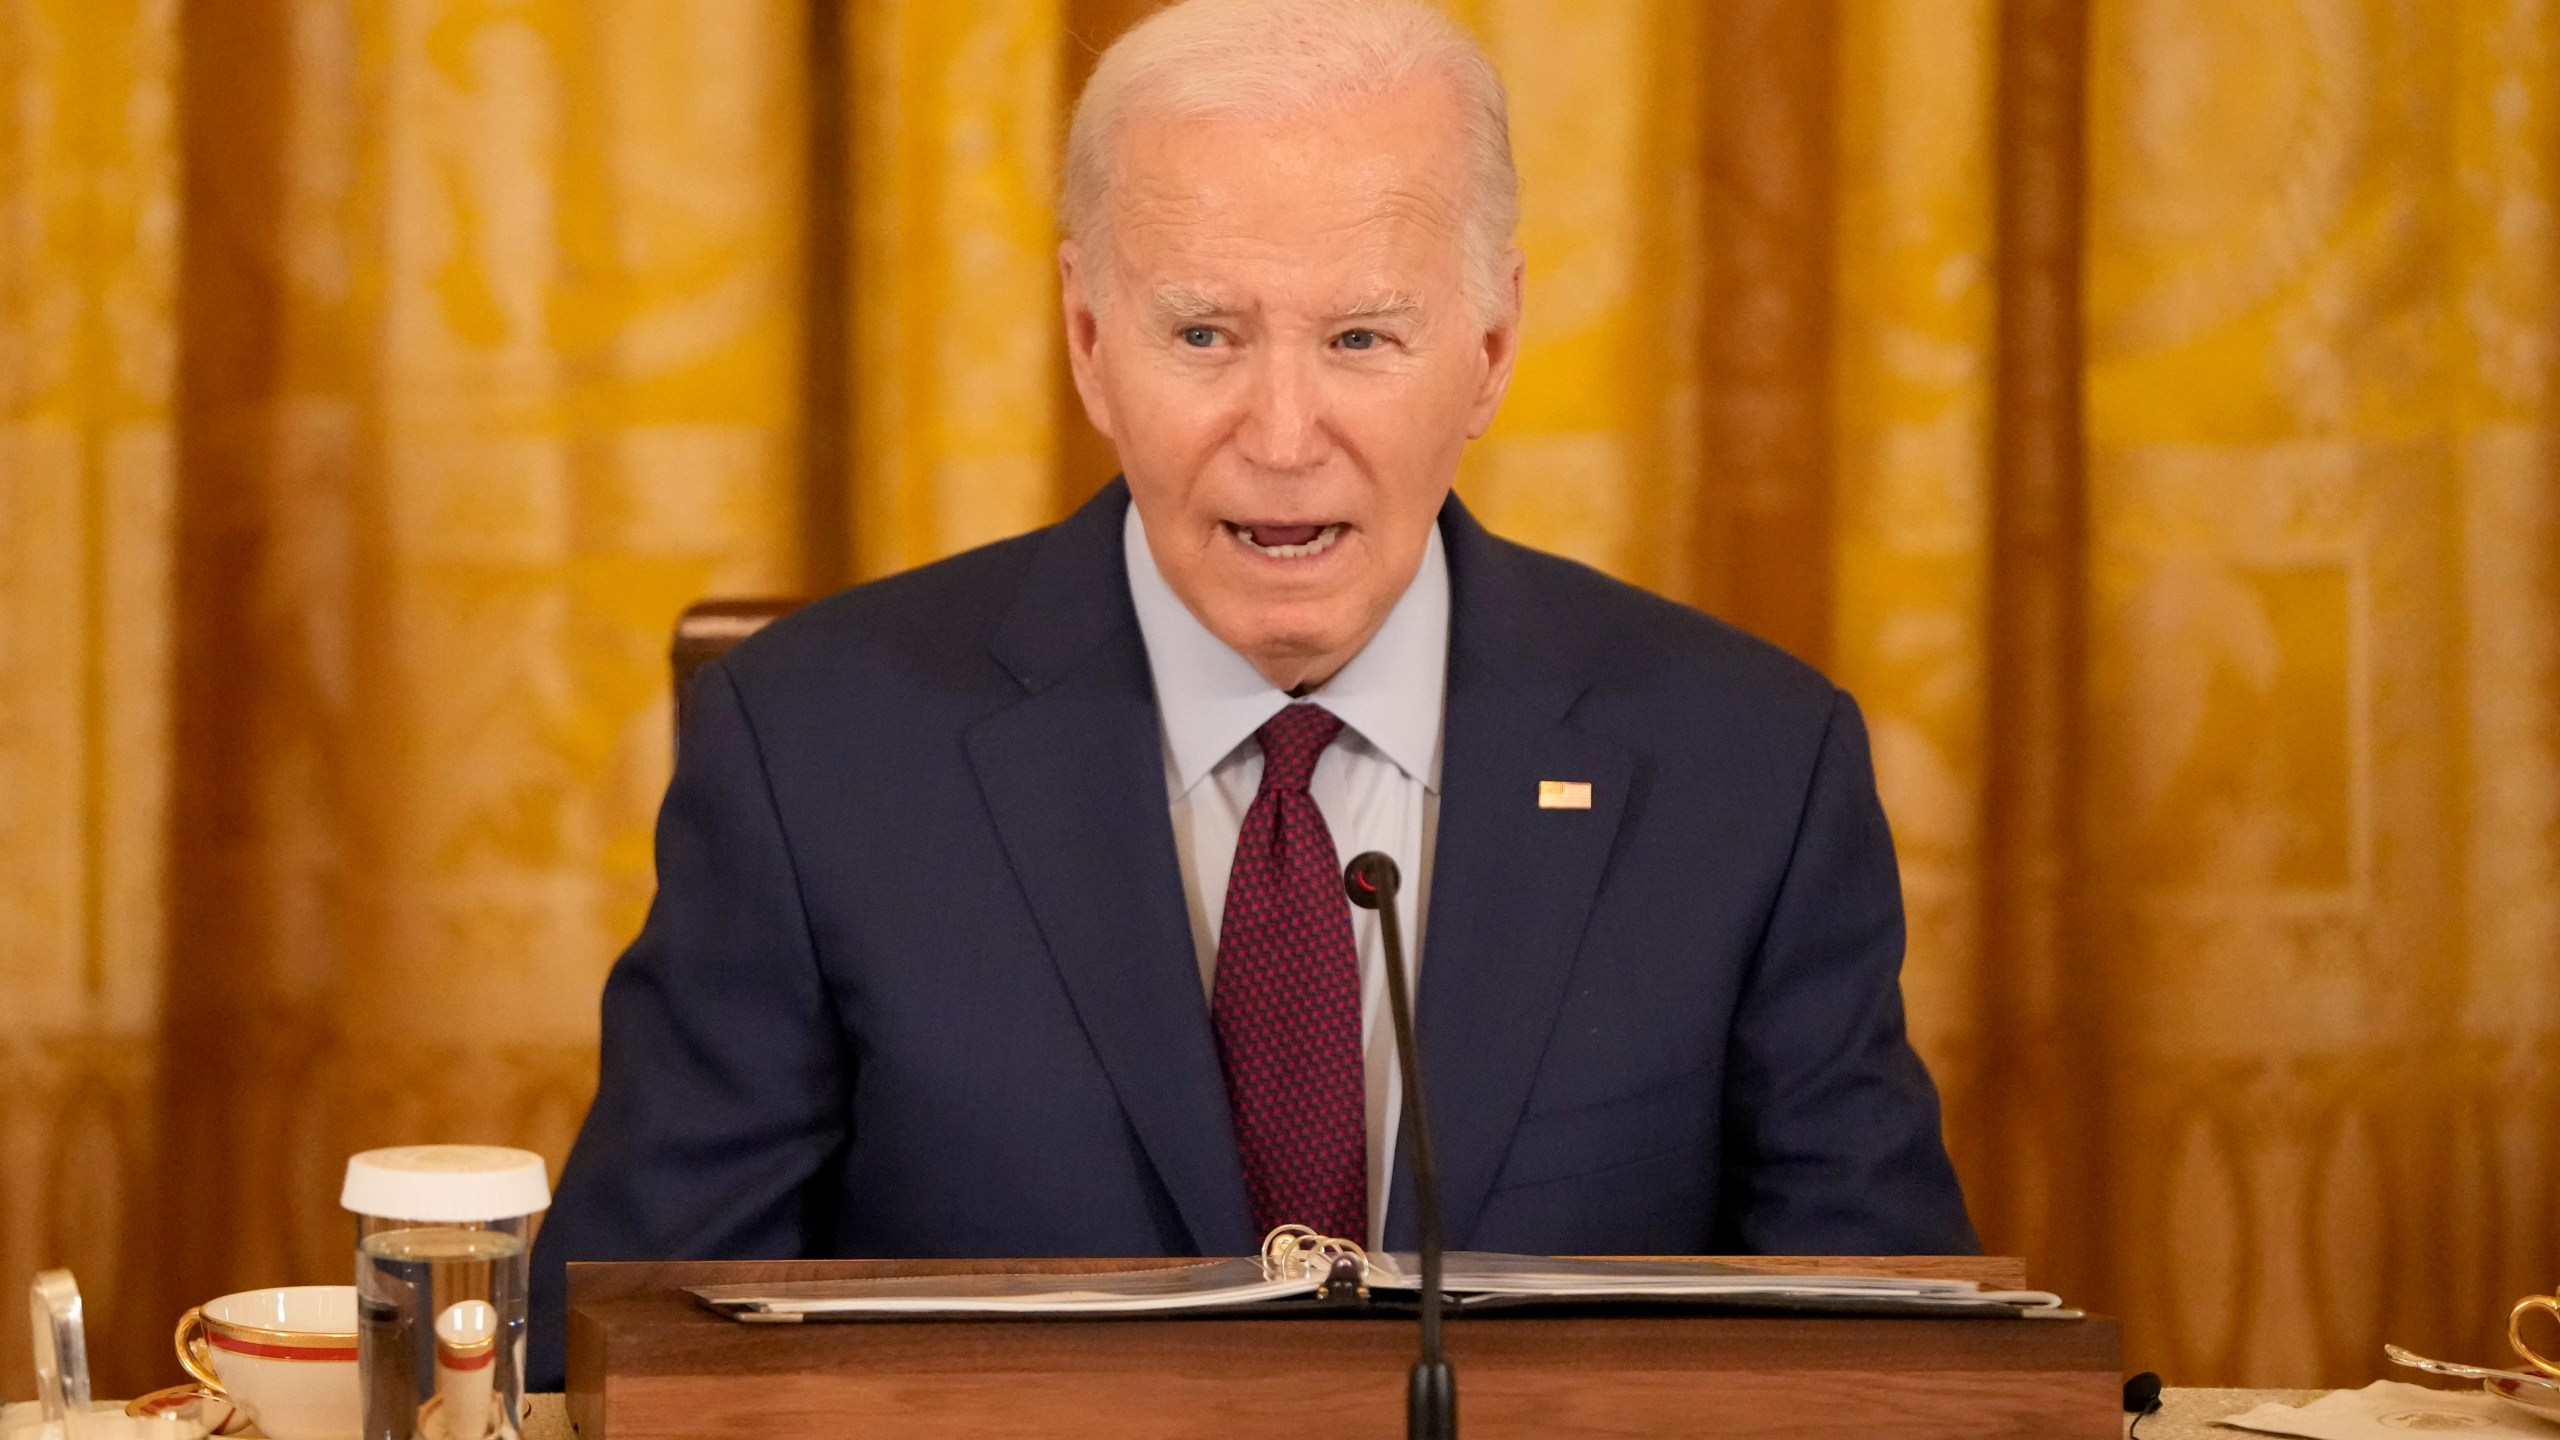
(1431, 1403)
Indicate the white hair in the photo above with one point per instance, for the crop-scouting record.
(1272, 59)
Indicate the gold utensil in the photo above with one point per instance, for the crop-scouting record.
(2466, 1372)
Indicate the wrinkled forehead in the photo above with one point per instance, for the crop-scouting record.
(1369, 193)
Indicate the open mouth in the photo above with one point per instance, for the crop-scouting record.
(1288, 542)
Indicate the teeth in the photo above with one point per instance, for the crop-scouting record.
(1324, 541)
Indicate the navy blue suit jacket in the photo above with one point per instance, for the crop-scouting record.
(919, 979)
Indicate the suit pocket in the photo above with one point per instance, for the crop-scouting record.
(1662, 1119)
(1657, 1204)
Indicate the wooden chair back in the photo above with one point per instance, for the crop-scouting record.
(705, 632)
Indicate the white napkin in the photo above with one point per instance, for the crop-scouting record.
(24, 1420)
(27, 1415)
(2390, 1410)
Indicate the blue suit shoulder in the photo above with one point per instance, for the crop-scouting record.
(1633, 648)
(927, 628)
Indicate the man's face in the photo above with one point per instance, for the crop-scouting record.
(1288, 363)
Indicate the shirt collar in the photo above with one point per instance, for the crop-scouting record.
(1210, 699)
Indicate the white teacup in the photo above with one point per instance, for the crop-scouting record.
(288, 1354)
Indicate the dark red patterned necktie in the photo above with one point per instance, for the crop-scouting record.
(1286, 1002)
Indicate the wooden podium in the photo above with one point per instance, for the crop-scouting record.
(645, 1362)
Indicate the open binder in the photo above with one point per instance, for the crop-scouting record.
(1300, 1271)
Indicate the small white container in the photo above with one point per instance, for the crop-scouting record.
(443, 1233)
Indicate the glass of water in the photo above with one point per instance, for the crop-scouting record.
(444, 1239)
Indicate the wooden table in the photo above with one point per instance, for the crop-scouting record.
(2184, 1414)
(648, 1363)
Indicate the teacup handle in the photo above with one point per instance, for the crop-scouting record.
(195, 1353)
(2515, 1330)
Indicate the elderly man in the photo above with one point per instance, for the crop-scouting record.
(999, 905)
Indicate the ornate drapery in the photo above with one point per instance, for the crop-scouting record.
(2143, 406)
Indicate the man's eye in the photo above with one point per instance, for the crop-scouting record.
(1199, 337)
(1360, 339)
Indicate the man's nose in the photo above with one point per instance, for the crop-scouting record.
(1283, 427)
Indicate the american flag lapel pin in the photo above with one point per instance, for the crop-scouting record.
(1564, 794)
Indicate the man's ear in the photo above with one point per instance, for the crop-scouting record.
(1501, 347)
(1084, 333)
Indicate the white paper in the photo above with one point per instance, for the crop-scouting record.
(1217, 1284)
(1205, 1284)
(2390, 1410)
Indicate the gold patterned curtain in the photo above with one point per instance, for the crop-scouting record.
(2144, 406)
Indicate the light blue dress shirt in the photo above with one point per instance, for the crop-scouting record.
(1378, 784)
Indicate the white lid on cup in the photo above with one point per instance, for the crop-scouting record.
(447, 1182)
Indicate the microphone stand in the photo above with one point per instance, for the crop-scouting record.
(1431, 1401)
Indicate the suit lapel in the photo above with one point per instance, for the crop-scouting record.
(1073, 775)
(1512, 884)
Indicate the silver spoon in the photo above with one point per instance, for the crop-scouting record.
(2465, 1372)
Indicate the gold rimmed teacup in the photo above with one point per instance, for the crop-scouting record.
(287, 1354)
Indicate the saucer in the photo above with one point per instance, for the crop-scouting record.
(2540, 1398)
(218, 1415)
(431, 1424)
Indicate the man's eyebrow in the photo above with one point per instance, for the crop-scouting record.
(1385, 305)
(1181, 302)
